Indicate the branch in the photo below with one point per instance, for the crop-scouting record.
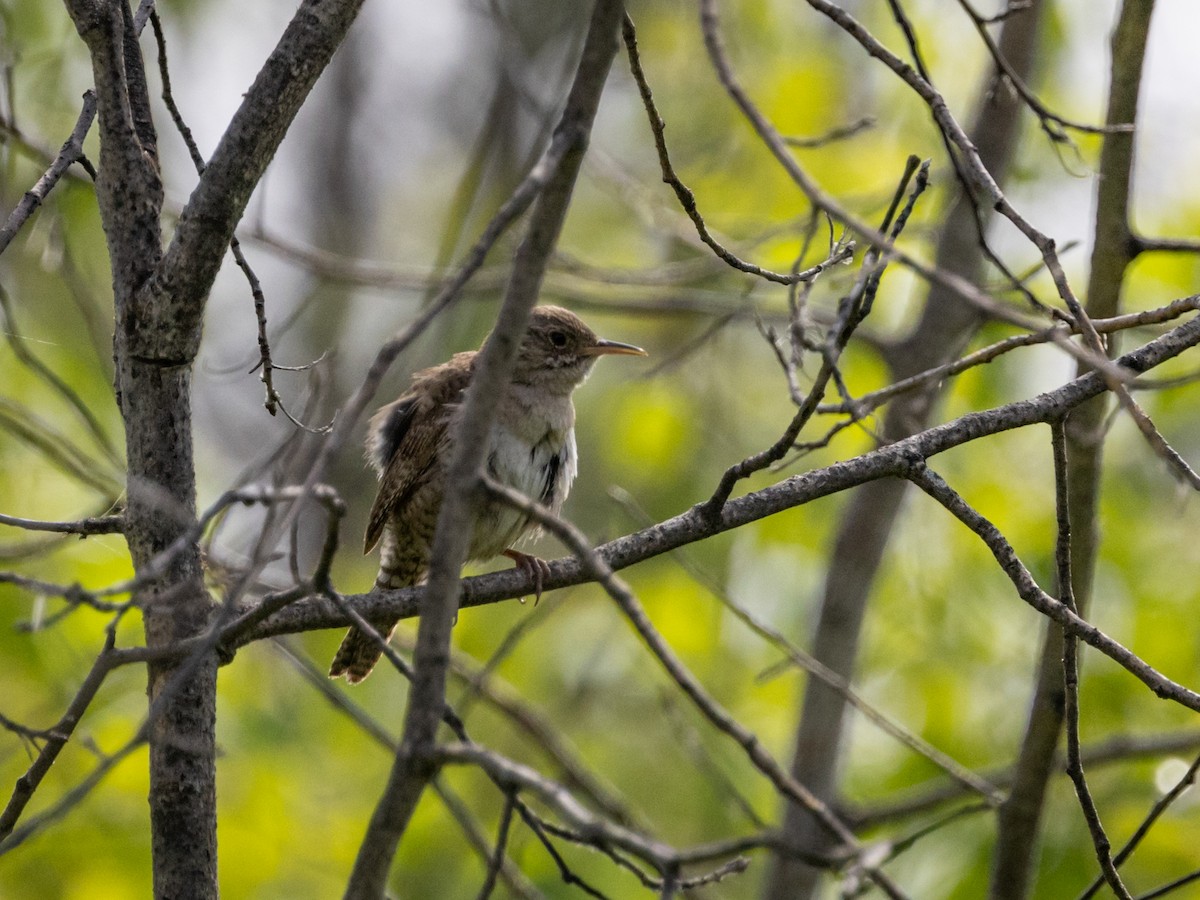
(891, 461)
(1020, 820)
(83, 527)
(415, 762)
(1049, 120)
(71, 152)
(776, 143)
(852, 310)
(588, 825)
(79, 406)
(718, 716)
(1143, 244)
(1031, 593)
(1183, 784)
(964, 778)
(1070, 667)
(1114, 750)
(873, 400)
(273, 401)
(318, 680)
(536, 727)
(686, 198)
(57, 737)
(172, 303)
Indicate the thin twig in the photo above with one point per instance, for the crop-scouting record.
(497, 860)
(838, 133)
(316, 678)
(961, 287)
(1171, 886)
(565, 872)
(1029, 590)
(82, 527)
(57, 736)
(687, 199)
(1050, 121)
(852, 310)
(71, 152)
(1143, 244)
(273, 401)
(1161, 805)
(873, 400)
(16, 342)
(1109, 752)
(1070, 663)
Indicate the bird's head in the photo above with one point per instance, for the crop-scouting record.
(558, 350)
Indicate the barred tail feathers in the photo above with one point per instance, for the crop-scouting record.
(358, 653)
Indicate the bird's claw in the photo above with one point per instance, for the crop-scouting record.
(535, 566)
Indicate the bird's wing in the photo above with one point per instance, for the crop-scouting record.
(406, 437)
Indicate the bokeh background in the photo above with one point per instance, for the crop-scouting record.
(426, 119)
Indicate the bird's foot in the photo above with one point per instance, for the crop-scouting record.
(535, 566)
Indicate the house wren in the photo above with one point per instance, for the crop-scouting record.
(532, 449)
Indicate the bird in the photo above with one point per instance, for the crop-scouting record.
(410, 443)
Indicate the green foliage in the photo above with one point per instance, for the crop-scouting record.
(949, 647)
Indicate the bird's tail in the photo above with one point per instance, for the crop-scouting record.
(359, 652)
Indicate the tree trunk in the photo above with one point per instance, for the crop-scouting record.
(159, 300)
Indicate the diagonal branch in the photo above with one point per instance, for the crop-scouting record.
(717, 715)
(415, 762)
(71, 152)
(692, 525)
(1029, 590)
(173, 301)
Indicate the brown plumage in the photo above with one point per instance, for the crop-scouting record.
(532, 449)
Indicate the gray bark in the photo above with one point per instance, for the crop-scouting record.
(159, 301)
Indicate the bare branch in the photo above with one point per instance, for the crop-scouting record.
(852, 310)
(873, 400)
(1164, 802)
(82, 527)
(317, 679)
(686, 198)
(78, 405)
(1070, 664)
(818, 198)
(1115, 750)
(71, 152)
(587, 824)
(57, 737)
(1049, 120)
(1031, 593)
(1143, 244)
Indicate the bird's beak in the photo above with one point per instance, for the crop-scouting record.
(602, 348)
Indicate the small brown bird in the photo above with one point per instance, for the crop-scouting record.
(410, 443)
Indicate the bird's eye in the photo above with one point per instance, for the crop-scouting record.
(558, 338)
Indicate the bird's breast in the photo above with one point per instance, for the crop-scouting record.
(541, 468)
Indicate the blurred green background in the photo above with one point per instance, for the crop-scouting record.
(425, 120)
